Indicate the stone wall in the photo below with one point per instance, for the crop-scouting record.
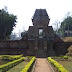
(13, 47)
(61, 48)
(22, 47)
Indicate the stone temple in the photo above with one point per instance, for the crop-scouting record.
(40, 39)
(41, 35)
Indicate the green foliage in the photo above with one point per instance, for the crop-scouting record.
(5, 67)
(7, 22)
(29, 65)
(11, 58)
(24, 33)
(66, 26)
(67, 22)
(64, 57)
(61, 57)
(58, 66)
(29, 57)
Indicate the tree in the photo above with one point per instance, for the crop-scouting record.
(66, 26)
(7, 22)
(56, 27)
(24, 33)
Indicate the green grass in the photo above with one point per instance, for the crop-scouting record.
(67, 64)
(18, 67)
(3, 62)
(67, 39)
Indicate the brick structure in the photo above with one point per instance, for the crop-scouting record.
(40, 39)
(41, 34)
(13, 47)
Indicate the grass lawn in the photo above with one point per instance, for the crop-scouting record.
(67, 64)
(67, 39)
(18, 67)
(3, 62)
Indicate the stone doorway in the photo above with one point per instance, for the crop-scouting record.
(41, 52)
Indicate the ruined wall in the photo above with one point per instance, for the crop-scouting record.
(13, 47)
(22, 47)
(61, 47)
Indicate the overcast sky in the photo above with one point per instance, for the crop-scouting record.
(24, 9)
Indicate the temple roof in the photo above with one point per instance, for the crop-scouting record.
(40, 12)
(40, 18)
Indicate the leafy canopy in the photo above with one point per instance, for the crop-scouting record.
(7, 22)
(66, 26)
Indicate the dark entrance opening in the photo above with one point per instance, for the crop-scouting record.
(41, 52)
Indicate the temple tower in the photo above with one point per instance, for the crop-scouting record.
(40, 35)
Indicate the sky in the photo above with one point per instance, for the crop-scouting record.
(24, 10)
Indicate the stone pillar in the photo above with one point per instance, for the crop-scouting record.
(51, 52)
(36, 44)
(45, 48)
(45, 45)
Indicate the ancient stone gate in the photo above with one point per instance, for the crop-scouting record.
(40, 39)
(42, 34)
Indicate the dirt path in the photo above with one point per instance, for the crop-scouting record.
(42, 65)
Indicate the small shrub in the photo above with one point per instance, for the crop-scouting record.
(61, 57)
(5, 67)
(28, 66)
(66, 57)
(58, 66)
(11, 58)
